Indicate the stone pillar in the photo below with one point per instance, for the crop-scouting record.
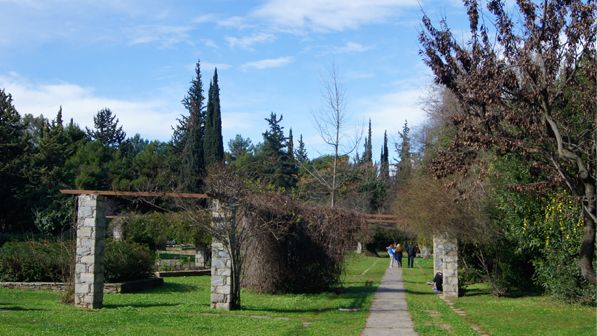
(221, 263)
(424, 251)
(200, 256)
(359, 248)
(117, 229)
(438, 254)
(450, 267)
(89, 263)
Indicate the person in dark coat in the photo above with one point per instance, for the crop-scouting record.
(411, 251)
(398, 255)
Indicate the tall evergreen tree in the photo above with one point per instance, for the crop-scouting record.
(106, 129)
(213, 143)
(404, 166)
(290, 144)
(278, 167)
(12, 150)
(188, 138)
(384, 160)
(301, 152)
(368, 154)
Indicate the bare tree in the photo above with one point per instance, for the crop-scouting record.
(532, 91)
(331, 123)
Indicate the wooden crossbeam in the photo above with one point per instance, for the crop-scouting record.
(131, 193)
(380, 216)
(383, 221)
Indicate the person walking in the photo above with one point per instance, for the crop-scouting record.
(398, 255)
(391, 250)
(411, 251)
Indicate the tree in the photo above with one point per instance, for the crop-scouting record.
(290, 145)
(106, 129)
(531, 92)
(213, 143)
(301, 152)
(331, 124)
(239, 146)
(384, 165)
(368, 153)
(188, 138)
(13, 144)
(277, 165)
(404, 166)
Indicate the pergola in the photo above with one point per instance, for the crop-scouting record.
(90, 245)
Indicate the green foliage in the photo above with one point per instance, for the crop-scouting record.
(277, 166)
(155, 229)
(126, 261)
(188, 138)
(106, 130)
(90, 165)
(381, 238)
(213, 143)
(35, 261)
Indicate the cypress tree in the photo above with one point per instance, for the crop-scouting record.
(368, 154)
(290, 144)
(404, 165)
(384, 160)
(188, 138)
(213, 143)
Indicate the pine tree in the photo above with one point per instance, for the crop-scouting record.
(290, 144)
(278, 167)
(13, 145)
(106, 129)
(188, 138)
(213, 143)
(301, 152)
(384, 160)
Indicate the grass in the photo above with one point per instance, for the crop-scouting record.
(181, 306)
(524, 315)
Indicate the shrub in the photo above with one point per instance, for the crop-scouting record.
(127, 261)
(34, 261)
(155, 229)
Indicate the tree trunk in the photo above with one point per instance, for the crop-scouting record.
(587, 247)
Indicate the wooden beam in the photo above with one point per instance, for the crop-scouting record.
(131, 193)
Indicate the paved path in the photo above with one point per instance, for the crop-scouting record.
(389, 313)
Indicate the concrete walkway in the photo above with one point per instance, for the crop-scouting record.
(389, 313)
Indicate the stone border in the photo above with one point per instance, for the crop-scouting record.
(116, 287)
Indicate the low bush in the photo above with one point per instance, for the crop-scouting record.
(34, 261)
(127, 261)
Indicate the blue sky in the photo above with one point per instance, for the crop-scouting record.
(137, 58)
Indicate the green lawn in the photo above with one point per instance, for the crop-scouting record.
(181, 306)
(530, 315)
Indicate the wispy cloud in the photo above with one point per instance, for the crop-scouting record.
(267, 63)
(165, 35)
(329, 15)
(248, 41)
(150, 118)
(238, 22)
(210, 66)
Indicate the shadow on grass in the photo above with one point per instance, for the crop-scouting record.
(172, 287)
(139, 305)
(16, 309)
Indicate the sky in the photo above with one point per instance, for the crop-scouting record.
(137, 57)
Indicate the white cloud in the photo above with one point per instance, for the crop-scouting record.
(210, 66)
(152, 119)
(325, 15)
(237, 22)
(351, 47)
(165, 35)
(248, 41)
(267, 63)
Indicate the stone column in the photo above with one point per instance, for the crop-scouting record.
(438, 254)
(117, 228)
(89, 263)
(359, 248)
(200, 256)
(450, 267)
(221, 263)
